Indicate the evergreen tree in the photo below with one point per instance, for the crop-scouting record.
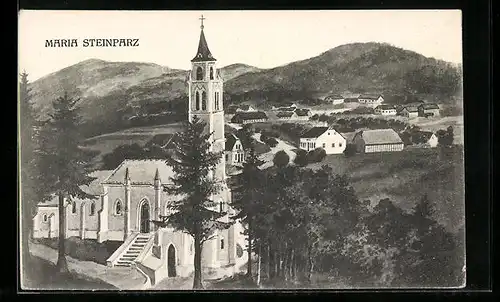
(64, 164)
(247, 197)
(193, 164)
(301, 159)
(27, 145)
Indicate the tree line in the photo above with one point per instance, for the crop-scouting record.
(301, 222)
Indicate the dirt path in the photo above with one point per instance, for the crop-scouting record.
(282, 145)
(123, 278)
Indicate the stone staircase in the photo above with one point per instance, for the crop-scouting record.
(133, 250)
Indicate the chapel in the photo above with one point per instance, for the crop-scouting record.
(132, 196)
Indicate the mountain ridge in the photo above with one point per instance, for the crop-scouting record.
(112, 92)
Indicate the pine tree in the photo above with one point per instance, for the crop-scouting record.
(248, 195)
(193, 164)
(27, 135)
(64, 164)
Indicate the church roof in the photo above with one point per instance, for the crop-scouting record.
(230, 142)
(94, 188)
(203, 53)
(141, 171)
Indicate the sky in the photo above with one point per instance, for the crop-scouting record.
(263, 39)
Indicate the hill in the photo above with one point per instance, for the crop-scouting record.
(353, 69)
(117, 95)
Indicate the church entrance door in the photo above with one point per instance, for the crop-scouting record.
(171, 261)
(145, 223)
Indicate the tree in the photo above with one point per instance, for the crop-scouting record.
(64, 164)
(281, 159)
(193, 164)
(29, 196)
(350, 150)
(301, 158)
(445, 137)
(248, 195)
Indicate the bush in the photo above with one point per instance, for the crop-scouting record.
(271, 142)
(301, 159)
(281, 159)
(350, 150)
(317, 155)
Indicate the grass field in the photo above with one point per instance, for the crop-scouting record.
(106, 143)
(405, 177)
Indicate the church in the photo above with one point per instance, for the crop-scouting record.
(132, 196)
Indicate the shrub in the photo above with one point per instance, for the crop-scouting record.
(301, 159)
(350, 150)
(271, 142)
(317, 155)
(281, 159)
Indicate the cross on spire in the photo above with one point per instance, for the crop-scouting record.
(202, 18)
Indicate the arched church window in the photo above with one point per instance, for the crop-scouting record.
(92, 209)
(211, 73)
(118, 207)
(222, 243)
(199, 74)
(203, 100)
(45, 218)
(197, 100)
(73, 207)
(221, 206)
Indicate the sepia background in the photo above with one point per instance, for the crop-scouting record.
(132, 100)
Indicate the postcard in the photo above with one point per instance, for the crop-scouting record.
(249, 150)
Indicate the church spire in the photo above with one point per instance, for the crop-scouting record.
(203, 53)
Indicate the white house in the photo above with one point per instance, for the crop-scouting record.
(409, 111)
(430, 139)
(235, 153)
(371, 99)
(335, 99)
(302, 114)
(323, 137)
(385, 110)
(379, 140)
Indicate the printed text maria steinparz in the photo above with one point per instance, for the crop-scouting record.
(92, 42)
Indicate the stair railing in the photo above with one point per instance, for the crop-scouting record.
(111, 261)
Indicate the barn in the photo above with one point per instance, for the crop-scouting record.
(379, 140)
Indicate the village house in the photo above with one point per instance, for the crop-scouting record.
(409, 111)
(371, 99)
(284, 107)
(425, 139)
(249, 117)
(385, 110)
(323, 137)
(351, 100)
(335, 99)
(235, 153)
(379, 140)
(428, 109)
(303, 114)
(131, 201)
(245, 108)
(286, 115)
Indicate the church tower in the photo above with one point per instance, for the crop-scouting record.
(205, 98)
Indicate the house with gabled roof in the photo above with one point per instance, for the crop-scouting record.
(326, 138)
(335, 99)
(385, 110)
(428, 109)
(378, 140)
(371, 99)
(234, 152)
(249, 117)
(409, 111)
